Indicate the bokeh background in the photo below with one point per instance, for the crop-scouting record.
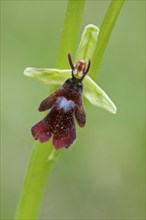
(102, 174)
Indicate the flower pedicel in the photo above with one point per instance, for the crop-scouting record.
(65, 104)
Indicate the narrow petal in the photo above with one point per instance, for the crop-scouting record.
(64, 139)
(51, 99)
(39, 132)
(80, 115)
(47, 103)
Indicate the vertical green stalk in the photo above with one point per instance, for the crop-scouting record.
(104, 34)
(44, 155)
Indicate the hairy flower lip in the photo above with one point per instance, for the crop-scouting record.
(65, 104)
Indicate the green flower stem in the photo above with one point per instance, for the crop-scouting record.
(39, 166)
(104, 35)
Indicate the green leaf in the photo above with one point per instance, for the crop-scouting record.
(104, 35)
(92, 92)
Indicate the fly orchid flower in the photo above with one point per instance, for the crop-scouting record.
(65, 104)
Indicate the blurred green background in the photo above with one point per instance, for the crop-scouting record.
(102, 174)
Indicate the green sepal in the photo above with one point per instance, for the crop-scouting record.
(49, 76)
(87, 43)
(96, 96)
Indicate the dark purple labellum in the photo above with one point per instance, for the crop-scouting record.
(64, 104)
